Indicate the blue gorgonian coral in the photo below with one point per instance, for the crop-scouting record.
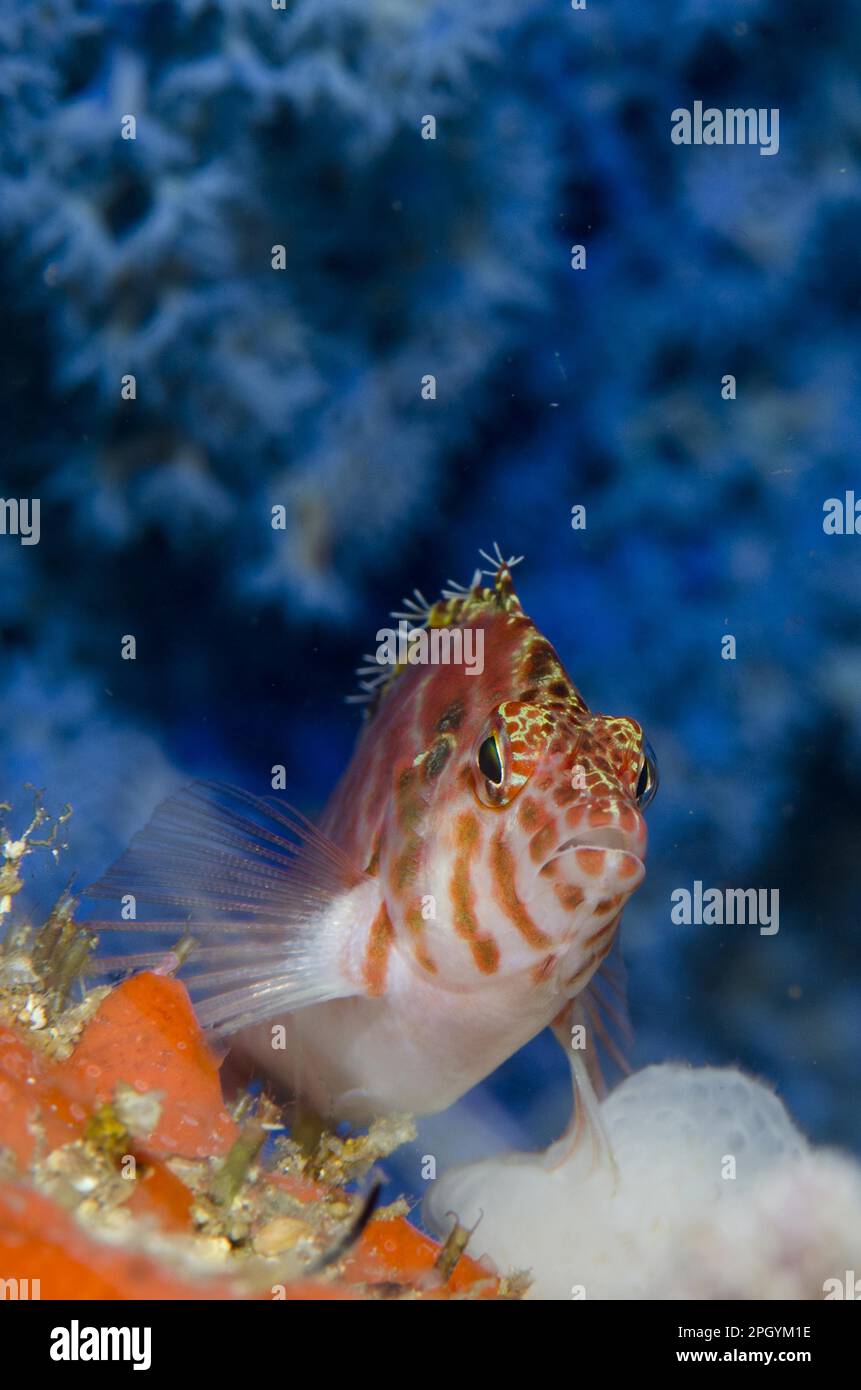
(301, 127)
(258, 128)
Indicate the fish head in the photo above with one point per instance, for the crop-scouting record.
(514, 833)
(562, 793)
(525, 837)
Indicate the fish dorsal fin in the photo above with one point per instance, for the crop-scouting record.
(459, 605)
(266, 897)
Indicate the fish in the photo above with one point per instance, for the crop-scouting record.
(461, 892)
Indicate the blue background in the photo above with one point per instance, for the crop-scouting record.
(555, 387)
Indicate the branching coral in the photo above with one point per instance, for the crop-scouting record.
(257, 128)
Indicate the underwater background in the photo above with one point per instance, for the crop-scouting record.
(555, 388)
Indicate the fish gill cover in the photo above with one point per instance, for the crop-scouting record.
(291, 136)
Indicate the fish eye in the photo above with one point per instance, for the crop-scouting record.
(647, 782)
(490, 762)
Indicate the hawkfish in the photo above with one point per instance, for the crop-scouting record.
(461, 892)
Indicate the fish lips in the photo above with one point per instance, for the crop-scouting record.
(605, 857)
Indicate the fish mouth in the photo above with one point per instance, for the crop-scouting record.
(590, 876)
(607, 837)
(620, 860)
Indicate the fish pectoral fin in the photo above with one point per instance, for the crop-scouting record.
(266, 897)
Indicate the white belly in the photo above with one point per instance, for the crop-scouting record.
(415, 1050)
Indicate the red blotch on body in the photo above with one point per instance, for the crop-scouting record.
(543, 842)
(529, 814)
(609, 904)
(375, 965)
(485, 951)
(416, 923)
(591, 861)
(505, 891)
(543, 970)
(569, 895)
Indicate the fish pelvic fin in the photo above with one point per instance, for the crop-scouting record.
(602, 1023)
(268, 901)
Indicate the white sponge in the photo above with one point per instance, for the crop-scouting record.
(716, 1194)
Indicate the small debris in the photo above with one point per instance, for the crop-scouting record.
(139, 1113)
(282, 1234)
